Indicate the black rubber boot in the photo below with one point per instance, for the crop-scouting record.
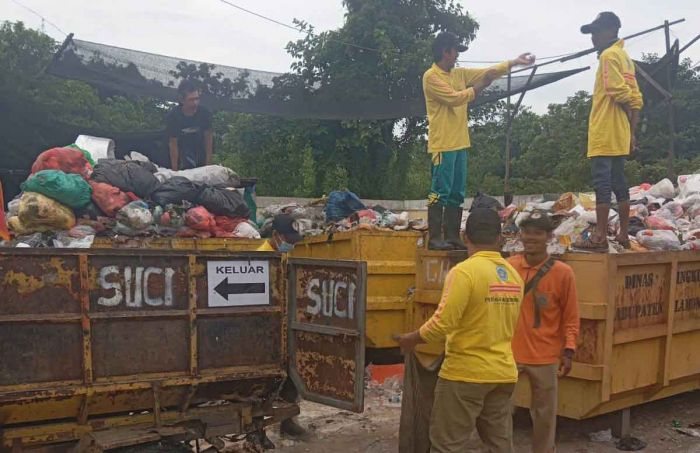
(435, 228)
(453, 225)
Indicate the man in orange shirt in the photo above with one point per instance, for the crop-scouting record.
(545, 336)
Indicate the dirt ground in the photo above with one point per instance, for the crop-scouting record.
(376, 430)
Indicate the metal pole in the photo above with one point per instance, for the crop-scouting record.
(509, 121)
(592, 49)
(669, 104)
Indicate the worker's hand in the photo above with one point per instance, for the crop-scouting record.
(565, 363)
(409, 341)
(525, 59)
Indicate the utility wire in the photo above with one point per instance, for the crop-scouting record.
(41, 17)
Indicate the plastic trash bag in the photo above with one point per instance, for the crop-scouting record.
(689, 185)
(210, 175)
(199, 218)
(228, 223)
(186, 232)
(85, 152)
(108, 198)
(135, 215)
(659, 240)
(693, 244)
(127, 175)
(34, 240)
(229, 203)
(175, 191)
(342, 204)
(89, 211)
(66, 241)
(40, 213)
(13, 207)
(68, 160)
(663, 189)
(655, 222)
(66, 188)
(565, 203)
(672, 210)
(246, 230)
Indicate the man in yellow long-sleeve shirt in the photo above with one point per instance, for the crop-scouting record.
(611, 127)
(476, 317)
(448, 90)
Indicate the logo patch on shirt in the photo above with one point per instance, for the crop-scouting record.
(502, 273)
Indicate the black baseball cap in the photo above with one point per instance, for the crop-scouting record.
(284, 225)
(446, 41)
(483, 220)
(538, 219)
(604, 21)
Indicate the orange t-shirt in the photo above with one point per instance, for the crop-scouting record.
(559, 319)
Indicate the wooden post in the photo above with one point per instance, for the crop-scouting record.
(509, 123)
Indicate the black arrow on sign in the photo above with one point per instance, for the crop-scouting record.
(225, 288)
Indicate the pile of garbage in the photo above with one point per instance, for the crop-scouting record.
(69, 199)
(340, 211)
(662, 217)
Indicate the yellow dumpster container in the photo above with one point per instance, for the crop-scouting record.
(640, 327)
(171, 243)
(391, 269)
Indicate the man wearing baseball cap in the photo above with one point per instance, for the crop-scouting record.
(545, 336)
(284, 235)
(447, 91)
(611, 128)
(476, 318)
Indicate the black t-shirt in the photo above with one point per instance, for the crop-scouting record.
(189, 131)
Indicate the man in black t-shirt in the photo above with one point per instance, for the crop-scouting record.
(189, 129)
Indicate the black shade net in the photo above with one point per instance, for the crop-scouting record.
(135, 73)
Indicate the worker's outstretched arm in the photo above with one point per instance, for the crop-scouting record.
(442, 92)
(174, 154)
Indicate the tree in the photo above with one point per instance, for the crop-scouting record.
(389, 51)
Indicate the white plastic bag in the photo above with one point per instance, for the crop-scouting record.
(135, 215)
(663, 189)
(212, 175)
(65, 241)
(659, 240)
(246, 230)
(689, 185)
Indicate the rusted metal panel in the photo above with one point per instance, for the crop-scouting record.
(39, 285)
(239, 340)
(40, 353)
(327, 301)
(139, 346)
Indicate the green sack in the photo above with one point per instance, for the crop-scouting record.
(68, 189)
(85, 152)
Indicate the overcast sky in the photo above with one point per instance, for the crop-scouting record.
(211, 31)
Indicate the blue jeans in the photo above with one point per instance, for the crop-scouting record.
(609, 177)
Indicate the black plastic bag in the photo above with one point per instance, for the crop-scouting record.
(128, 175)
(176, 190)
(229, 203)
(484, 201)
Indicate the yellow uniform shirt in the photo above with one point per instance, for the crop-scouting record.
(446, 97)
(266, 247)
(615, 86)
(476, 317)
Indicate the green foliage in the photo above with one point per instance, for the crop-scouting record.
(40, 111)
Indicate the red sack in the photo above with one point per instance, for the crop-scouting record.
(228, 224)
(68, 160)
(109, 198)
(198, 218)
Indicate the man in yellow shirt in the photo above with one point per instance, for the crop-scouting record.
(447, 91)
(611, 127)
(476, 318)
(284, 235)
